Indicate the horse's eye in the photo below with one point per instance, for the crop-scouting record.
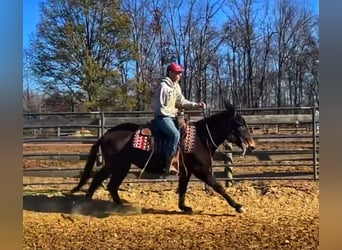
(240, 124)
(240, 130)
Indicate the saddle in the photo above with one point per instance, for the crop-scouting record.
(149, 139)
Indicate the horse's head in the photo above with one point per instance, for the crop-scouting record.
(239, 131)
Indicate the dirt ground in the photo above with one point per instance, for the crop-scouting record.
(278, 215)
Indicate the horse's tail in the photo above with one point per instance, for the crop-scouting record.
(89, 166)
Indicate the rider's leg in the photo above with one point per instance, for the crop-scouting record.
(168, 126)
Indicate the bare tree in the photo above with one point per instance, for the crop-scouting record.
(294, 37)
(145, 33)
(195, 39)
(112, 54)
(241, 18)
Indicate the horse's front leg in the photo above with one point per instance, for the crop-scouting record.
(182, 187)
(205, 175)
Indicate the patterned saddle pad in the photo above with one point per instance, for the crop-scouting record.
(143, 139)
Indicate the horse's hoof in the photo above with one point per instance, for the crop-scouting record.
(88, 196)
(230, 183)
(74, 190)
(187, 210)
(67, 193)
(239, 209)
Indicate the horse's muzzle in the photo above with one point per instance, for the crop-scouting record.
(250, 144)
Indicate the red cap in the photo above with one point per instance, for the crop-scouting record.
(174, 67)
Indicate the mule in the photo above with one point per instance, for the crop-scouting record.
(119, 153)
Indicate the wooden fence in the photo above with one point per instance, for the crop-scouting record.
(290, 139)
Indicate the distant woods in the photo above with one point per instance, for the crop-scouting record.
(110, 55)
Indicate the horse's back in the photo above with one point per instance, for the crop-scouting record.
(125, 127)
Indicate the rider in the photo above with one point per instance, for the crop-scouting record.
(168, 98)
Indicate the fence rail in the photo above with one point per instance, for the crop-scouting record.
(273, 127)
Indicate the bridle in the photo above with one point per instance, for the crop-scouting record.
(244, 147)
(208, 130)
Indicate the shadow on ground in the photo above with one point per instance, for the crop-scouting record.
(76, 204)
(79, 205)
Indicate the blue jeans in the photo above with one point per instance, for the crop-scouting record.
(169, 128)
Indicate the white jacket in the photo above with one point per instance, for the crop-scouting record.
(168, 98)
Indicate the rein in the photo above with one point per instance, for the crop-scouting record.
(212, 141)
(211, 138)
(206, 126)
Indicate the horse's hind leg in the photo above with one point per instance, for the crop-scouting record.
(182, 187)
(118, 175)
(97, 180)
(209, 179)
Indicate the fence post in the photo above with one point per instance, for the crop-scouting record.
(206, 113)
(99, 159)
(228, 162)
(314, 140)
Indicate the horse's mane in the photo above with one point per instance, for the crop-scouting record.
(214, 118)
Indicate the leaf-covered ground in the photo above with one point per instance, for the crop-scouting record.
(278, 215)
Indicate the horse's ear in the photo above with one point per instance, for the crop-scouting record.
(230, 108)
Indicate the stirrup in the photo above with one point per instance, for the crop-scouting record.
(171, 168)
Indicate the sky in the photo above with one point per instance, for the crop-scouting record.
(31, 17)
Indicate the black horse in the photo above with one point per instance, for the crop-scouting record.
(119, 153)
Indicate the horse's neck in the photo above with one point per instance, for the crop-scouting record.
(212, 133)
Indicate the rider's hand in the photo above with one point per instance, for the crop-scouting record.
(201, 104)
